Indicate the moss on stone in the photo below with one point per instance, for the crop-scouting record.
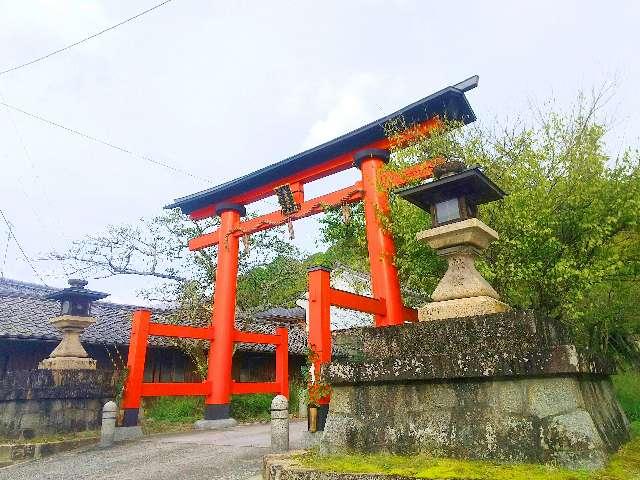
(624, 465)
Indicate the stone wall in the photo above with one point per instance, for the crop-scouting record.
(40, 402)
(502, 387)
(486, 419)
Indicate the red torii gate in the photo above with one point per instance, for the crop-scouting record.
(366, 148)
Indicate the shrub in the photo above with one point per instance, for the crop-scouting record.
(175, 409)
(255, 406)
(627, 387)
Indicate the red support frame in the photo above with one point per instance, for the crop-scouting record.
(135, 364)
(218, 401)
(319, 338)
(385, 284)
(142, 328)
(386, 303)
(321, 297)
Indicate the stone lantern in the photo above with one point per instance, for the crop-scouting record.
(452, 199)
(75, 316)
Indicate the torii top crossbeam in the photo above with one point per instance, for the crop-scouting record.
(330, 157)
(365, 148)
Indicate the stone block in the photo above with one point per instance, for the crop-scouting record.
(551, 396)
(472, 232)
(572, 438)
(507, 396)
(461, 307)
(340, 433)
(420, 397)
(342, 399)
(607, 415)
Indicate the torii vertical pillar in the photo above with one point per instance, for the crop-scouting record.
(384, 275)
(217, 403)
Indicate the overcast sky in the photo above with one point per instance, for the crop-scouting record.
(220, 89)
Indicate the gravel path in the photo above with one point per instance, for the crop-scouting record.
(231, 454)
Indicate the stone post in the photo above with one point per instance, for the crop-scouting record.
(108, 430)
(280, 424)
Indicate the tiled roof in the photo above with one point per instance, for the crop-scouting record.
(295, 314)
(25, 314)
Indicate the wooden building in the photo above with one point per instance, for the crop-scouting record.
(27, 337)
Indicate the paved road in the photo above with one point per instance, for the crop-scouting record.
(232, 454)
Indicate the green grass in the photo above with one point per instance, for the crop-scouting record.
(244, 408)
(174, 409)
(625, 465)
(627, 387)
(250, 408)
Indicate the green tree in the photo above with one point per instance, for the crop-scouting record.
(569, 227)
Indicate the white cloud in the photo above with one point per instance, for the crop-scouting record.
(346, 107)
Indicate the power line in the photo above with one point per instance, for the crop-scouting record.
(6, 251)
(35, 211)
(83, 40)
(15, 239)
(107, 144)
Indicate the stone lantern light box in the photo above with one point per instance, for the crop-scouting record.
(452, 199)
(455, 197)
(75, 316)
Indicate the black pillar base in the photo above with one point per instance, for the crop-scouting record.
(323, 411)
(130, 417)
(217, 411)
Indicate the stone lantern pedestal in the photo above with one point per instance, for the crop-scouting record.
(462, 291)
(69, 354)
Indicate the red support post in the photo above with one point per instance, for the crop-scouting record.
(385, 284)
(282, 361)
(319, 339)
(224, 311)
(135, 365)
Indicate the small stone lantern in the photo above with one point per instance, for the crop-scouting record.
(452, 199)
(75, 316)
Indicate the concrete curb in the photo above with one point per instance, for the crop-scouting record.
(285, 467)
(19, 452)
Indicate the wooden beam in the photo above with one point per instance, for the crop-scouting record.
(174, 389)
(410, 314)
(353, 301)
(275, 219)
(240, 388)
(181, 331)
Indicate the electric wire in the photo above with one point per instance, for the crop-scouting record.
(44, 226)
(35, 60)
(107, 144)
(6, 251)
(26, 257)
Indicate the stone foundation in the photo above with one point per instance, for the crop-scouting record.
(499, 387)
(40, 402)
